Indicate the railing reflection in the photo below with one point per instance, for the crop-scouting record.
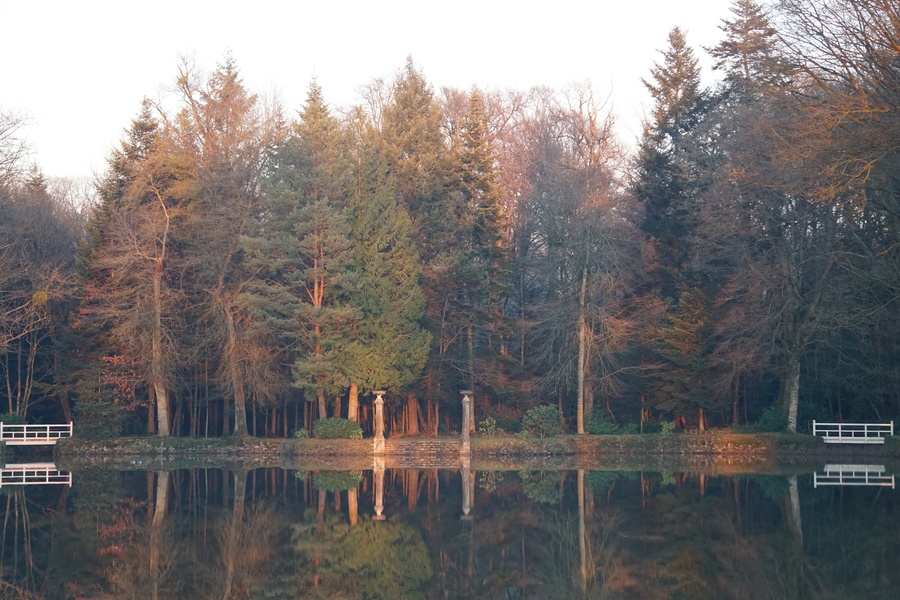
(856, 475)
(34, 474)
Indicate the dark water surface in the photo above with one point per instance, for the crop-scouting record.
(428, 533)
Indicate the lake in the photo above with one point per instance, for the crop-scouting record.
(273, 533)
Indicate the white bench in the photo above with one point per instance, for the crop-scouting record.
(853, 433)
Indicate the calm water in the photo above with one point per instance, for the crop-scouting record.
(282, 534)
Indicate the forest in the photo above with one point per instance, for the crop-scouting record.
(242, 268)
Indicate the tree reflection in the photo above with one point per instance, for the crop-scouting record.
(554, 534)
(374, 559)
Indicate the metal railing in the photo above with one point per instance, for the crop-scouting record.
(24, 435)
(853, 433)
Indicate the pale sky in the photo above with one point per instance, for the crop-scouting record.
(79, 68)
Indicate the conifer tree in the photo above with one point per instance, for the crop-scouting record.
(301, 252)
(417, 152)
(390, 344)
(672, 169)
(477, 276)
(666, 177)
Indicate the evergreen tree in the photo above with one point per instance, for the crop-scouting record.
(669, 159)
(477, 276)
(301, 252)
(749, 56)
(390, 345)
(673, 166)
(420, 161)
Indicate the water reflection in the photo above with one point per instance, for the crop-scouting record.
(429, 533)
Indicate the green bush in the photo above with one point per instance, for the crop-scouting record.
(667, 427)
(12, 419)
(598, 424)
(337, 428)
(488, 428)
(542, 421)
(301, 434)
(98, 420)
(773, 419)
(630, 428)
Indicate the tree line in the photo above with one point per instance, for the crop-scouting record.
(246, 270)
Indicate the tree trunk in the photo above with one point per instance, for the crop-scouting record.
(323, 408)
(582, 352)
(234, 368)
(412, 414)
(353, 403)
(789, 394)
(157, 377)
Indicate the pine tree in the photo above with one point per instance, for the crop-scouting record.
(301, 251)
(674, 162)
(477, 268)
(420, 161)
(667, 163)
(749, 56)
(390, 345)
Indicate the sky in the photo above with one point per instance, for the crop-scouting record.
(79, 69)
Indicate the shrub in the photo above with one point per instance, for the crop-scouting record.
(598, 424)
(99, 420)
(631, 428)
(542, 421)
(488, 428)
(667, 427)
(773, 419)
(301, 434)
(337, 428)
(12, 419)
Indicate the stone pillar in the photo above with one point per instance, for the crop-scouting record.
(465, 445)
(379, 422)
(378, 472)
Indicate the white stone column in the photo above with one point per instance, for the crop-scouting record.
(379, 422)
(465, 444)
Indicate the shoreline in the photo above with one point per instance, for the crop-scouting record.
(711, 452)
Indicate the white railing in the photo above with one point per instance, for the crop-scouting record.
(870, 475)
(27, 435)
(34, 474)
(853, 433)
